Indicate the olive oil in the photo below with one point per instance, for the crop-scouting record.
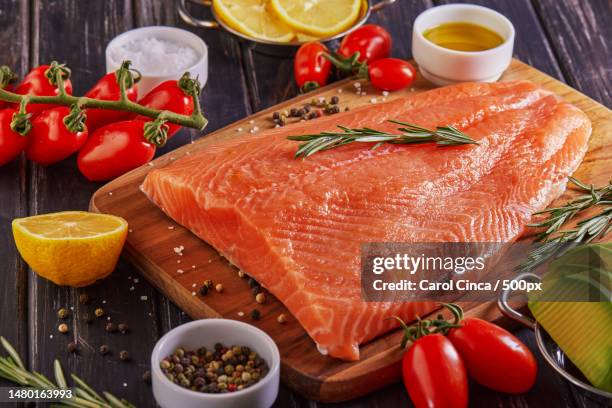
(463, 37)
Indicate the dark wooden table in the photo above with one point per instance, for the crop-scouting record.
(567, 39)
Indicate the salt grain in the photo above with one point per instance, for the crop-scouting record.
(240, 314)
(155, 56)
(251, 122)
(193, 293)
(373, 100)
(144, 297)
(136, 280)
(239, 129)
(339, 90)
(385, 93)
(131, 288)
(180, 271)
(110, 193)
(171, 227)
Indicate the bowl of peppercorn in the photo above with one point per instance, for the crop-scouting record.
(215, 363)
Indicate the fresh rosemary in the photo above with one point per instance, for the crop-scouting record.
(13, 369)
(555, 240)
(410, 134)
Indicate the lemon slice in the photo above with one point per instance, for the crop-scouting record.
(322, 18)
(253, 18)
(72, 248)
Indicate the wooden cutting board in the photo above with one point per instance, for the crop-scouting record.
(153, 238)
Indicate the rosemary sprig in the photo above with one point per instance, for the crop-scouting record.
(555, 240)
(13, 369)
(410, 134)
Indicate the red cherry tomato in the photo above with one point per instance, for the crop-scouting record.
(391, 74)
(434, 374)
(310, 68)
(168, 96)
(494, 357)
(36, 83)
(11, 143)
(371, 41)
(114, 150)
(49, 141)
(107, 89)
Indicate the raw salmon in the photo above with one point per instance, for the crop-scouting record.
(296, 225)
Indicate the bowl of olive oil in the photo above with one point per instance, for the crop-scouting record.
(462, 43)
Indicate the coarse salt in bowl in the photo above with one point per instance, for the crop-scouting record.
(159, 54)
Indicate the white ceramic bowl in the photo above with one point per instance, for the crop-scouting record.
(443, 66)
(205, 333)
(151, 79)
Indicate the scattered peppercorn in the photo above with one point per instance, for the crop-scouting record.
(282, 318)
(124, 355)
(146, 377)
(255, 290)
(63, 313)
(84, 298)
(334, 100)
(110, 327)
(72, 347)
(87, 318)
(293, 113)
(219, 288)
(203, 290)
(123, 328)
(260, 298)
(63, 328)
(255, 314)
(275, 116)
(219, 370)
(99, 312)
(307, 108)
(208, 283)
(313, 115)
(104, 350)
(253, 283)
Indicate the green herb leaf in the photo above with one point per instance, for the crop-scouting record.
(410, 134)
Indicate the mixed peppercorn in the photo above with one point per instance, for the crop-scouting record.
(218, 370)
(312, 110)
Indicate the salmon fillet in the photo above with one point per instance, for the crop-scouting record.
(296, 225)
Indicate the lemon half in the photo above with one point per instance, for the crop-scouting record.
(71, 248)
(253, 18)
(321, 18)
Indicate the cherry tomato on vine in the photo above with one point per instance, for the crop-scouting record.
(107, 88)
(434, 374)
(391, 74)
(49, 140)
(171, 97)
(371, 41)
(11, 142)
(494, 357)
(115, 149)
(37, 83)
(310, 67)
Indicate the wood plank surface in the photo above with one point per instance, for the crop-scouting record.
(581, 34)
(310, 373)
(566, 38)
(13, 192)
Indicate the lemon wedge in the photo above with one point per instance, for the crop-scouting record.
(253, 18)
(71, 248)
(321, 18)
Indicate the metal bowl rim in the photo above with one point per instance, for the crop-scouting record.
(356, 25)
(551, 361)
